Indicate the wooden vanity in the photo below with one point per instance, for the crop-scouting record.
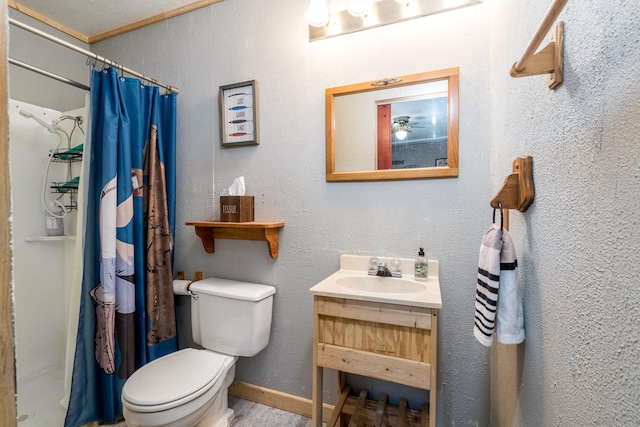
(377, 339)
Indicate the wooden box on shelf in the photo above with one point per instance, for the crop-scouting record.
(236, 208)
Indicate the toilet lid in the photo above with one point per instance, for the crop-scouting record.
(175, 376)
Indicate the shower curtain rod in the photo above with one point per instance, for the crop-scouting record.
(48, 74)
(90, 54)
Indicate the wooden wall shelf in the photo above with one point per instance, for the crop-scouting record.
(208, 231)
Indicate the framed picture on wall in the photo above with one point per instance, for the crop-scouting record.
(239, 114)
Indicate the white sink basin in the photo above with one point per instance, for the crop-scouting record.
(377, 284)
(352, 281)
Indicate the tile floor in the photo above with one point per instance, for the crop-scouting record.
(251, 414)
(39, 406)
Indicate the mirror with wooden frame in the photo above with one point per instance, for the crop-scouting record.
(396, 128)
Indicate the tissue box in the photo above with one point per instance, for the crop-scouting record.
(236, 208)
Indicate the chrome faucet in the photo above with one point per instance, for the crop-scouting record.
(381, 269)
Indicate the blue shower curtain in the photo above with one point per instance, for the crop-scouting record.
(127, 316)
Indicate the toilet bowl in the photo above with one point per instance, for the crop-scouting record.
(184, 389)
(189, 388)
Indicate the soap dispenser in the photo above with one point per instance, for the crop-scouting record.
(422, 266)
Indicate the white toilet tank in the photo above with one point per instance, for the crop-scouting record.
(231, 317)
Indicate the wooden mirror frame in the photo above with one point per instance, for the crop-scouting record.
(451, 170)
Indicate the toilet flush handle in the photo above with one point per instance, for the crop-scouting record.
(190, 292)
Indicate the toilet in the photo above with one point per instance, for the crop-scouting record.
(190, 387)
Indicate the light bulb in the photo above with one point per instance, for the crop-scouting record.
(401, 134)
(359, 8)
(317, 13)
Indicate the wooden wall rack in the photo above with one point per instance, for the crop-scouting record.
(517, 191)
(197, 276)
(549, 60)
(208, 231)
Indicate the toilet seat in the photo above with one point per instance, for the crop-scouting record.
(175, 379)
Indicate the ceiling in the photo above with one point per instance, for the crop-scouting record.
(95, 20)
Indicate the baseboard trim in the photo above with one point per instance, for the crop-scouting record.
(276, 399)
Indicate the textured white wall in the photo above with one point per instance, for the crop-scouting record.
(577, 244)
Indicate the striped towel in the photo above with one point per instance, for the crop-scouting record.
(488, 283)
(498, 290)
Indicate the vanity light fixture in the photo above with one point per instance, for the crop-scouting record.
(317, 13)
(329, 18)
(359, 8)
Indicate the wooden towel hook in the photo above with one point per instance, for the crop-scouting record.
(517, 191)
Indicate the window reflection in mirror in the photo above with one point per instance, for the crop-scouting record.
(402, 130)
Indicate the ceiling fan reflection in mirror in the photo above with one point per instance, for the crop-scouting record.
(401, 127)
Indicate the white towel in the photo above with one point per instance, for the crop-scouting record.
(498, 290)
(510, 326)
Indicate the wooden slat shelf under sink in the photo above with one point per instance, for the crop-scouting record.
(360, 411)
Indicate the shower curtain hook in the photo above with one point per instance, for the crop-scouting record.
(92, 61)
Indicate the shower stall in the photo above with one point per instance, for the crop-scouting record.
(44, 266)
(47, 79)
